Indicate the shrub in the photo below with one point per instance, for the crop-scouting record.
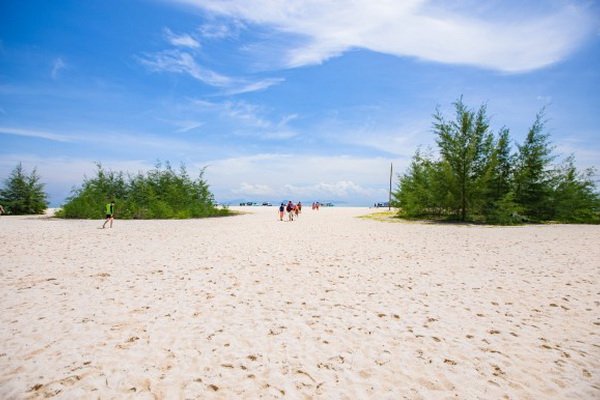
(161, 193)
(23, 193)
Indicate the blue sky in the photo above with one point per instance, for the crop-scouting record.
(305, 99)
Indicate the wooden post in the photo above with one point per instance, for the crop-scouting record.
(390, 196)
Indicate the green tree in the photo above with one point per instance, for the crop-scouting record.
(574, 195)
(89, 200)
(23, 193)
(478, 178)
(499, 199)
(464, 144)
(414, 195)
(532, 174)
(501, 167)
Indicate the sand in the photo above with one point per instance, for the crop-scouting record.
(326, 307)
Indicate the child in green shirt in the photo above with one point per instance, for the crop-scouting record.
(110, 214)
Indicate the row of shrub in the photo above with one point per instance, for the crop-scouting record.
(161, 193)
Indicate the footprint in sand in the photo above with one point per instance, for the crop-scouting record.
(383, 358)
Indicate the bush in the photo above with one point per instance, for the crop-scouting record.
(23, 194)
(475, 177)
(161, 193)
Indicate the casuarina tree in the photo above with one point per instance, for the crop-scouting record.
(465, 144)
(532, 172)
(475, 176)
(162, 192)
(23, 193)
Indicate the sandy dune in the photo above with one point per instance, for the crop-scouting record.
(326, 307)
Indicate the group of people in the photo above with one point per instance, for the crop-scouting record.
(292, 209)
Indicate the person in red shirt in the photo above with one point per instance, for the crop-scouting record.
(290, 210)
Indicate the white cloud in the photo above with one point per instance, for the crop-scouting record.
(184, 40)
(245, 86)
(105, 137)
(510, 37)
(277, 134)
(182, 59)
(341, 190)
(241, 111)
(336, 190)
(247, 189)
(35, 133)
(57, 66)
(245, 112)
(399, 135)
(585, 154)
(183, 62)
(247, 119)
(285, 120)
(220, 29)
(271, 176)
(186, 126)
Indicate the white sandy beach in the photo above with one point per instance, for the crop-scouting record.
(326, 307)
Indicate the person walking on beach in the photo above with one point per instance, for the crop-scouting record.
(2, 210)
(290, 210)
(281, 211)
(110, 214)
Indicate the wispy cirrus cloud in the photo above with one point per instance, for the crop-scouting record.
(183, 62)
(100, 137)
(182, 59)
(220, 29)
(187, 125)
(184, 40)
(57, 65)
(509, 36)
(245, 86)
(40, 134)
(248, 119)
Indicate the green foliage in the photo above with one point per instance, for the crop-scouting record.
(415, 197)
(23, 194)
(500, 168)
(505, 211)
(573, 196)
(477, 178)
(161, 193)
(532, 184)
(464, 146)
